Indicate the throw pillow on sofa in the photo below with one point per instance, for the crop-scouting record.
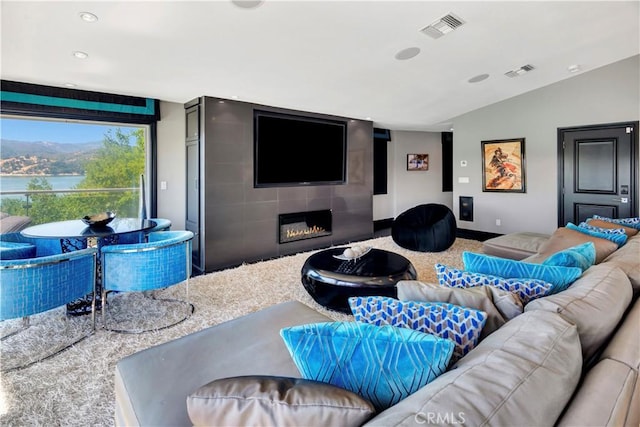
(278, 401)
(499, 305)
(608, 225)
(633, 222)
(383, 364)
(582, 256)
(560, 277)
(525, 289)
(564, 238)
(618, 239)
(458, 324)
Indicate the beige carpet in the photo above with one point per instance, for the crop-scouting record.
(75, 388)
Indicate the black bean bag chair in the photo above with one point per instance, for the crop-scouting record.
(425, 228)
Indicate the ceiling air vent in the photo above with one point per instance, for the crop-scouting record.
(442, 26)
(520, 71)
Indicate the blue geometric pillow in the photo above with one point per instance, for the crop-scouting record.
(383, 364)
(458, 324)
(560, 277)
(627, 222)
(582, 256)
(526, 289)
(600, 229)
(618, 239)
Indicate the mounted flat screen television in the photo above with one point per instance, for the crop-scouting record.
(291, 150)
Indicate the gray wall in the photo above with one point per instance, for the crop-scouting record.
(605, 95)
(407, 189)
(171, 164)
(240, 222)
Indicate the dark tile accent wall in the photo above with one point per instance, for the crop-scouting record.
(240, 222)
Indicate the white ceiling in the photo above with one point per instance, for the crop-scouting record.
(334, 57)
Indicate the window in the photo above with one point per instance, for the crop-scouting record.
(54, 170)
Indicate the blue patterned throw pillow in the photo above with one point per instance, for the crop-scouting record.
(526, 289)
(383, 364)
(458, 324)
(618, 239)
(627, 222)
(582, 256)
(559, 277)
(600, 229)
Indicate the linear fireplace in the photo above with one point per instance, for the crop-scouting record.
(304, 225)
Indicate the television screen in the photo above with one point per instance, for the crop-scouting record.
(296, 150)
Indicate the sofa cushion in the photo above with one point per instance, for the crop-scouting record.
(605, 397)
(275, 401)
(514, 245)
(582, 256)
(629, 231)
(564, 238)
(627, 259)
(383, 364)
(499, 305)
(618, 239)
(462, 325)
(525, 289)
(560, 277)
(151, 386)
(618, 348)
(595, 303)
(522, 374)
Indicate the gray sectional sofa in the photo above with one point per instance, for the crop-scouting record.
(570, 359)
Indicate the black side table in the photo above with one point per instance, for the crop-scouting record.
(331, 281)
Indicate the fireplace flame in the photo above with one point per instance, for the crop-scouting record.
(304, 232)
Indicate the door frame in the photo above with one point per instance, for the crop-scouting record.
(633, 185)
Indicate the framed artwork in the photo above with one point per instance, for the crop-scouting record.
(503, 166)
(417, 162)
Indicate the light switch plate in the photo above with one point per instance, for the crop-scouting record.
(463, 179)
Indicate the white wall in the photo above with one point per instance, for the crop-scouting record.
(407, 189)
(605, 95)
(171, 164)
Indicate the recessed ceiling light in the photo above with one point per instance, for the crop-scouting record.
(70, 85)
(88, 17)
(367, 118)
(80, 55)
(234, 96)
(478, 78)
(407, 53)
(247, 4)
(574, 68)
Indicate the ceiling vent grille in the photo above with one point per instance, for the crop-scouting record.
(442, 26)
(520, 71)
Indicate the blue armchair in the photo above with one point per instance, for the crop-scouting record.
(164, 260)
(162, 224)
(34, 285)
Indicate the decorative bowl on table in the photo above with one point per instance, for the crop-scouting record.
(353, 253)
(99, 220)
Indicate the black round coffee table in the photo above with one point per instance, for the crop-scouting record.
(331, 281)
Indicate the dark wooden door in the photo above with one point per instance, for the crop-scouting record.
(597, 172)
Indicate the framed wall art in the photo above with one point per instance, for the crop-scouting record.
(503, 166)
(417, 162)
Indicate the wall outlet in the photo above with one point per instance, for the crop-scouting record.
(463, 179)
(498, 222)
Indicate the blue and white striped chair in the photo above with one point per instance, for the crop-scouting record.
(164, 260)
(34, 285)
